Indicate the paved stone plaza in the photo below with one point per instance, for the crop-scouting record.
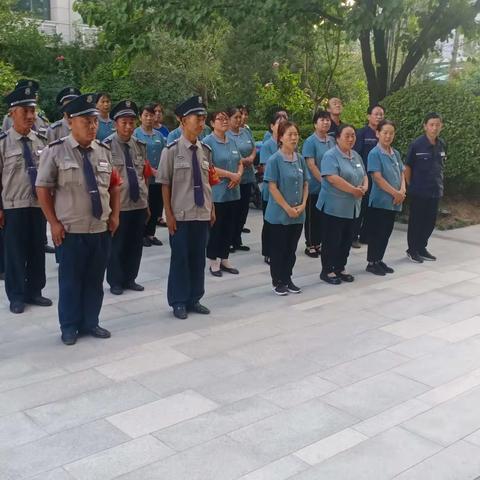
(379, 379)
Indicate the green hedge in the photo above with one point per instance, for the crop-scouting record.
(461, 114)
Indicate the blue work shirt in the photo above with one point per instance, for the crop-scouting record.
(267, 136)
(163, 130)
(245, 145)
(225, 155)
(314, 147)
(332, 200)
(366, 140)
(426, 161)
(268, 149)
(105, 128)
(155, 144)
(391, 168)
(290, 177)
(177, 133)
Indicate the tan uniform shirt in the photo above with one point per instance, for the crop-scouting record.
(41, 123)
(175, 169)
(61, 169)
(16, 187)
(138, 153)
(57, 130)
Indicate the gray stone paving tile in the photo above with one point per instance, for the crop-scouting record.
(281, 469)
(374, 395)
(89, 406)
(293, 429)
(418, 347)
(17, 429)
(415, 326)
(459, 330)
(460, 461)
(466, 308)
(216, 423)
(220, 459)
(378, 458)
(56, 450)
(119, 460)
(57, 474)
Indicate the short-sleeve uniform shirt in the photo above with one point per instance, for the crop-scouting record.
(366, 139)
(105, 128)
(245, 144)
(268, 149)
(316, 147)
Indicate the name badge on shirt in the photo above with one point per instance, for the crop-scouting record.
(442, 154)
(300, 170)
(102, 167)
(357, 165)
(234, 152)
(39, 151)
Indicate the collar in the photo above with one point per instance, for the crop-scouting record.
(17, 136)
(321, 139)
(390, 154)
(344, 155)
(218, 140)
(187, 143)
(74, 144)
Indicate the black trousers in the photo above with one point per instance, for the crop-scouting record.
(221, 234)
(421, 222)
(242, 212)
(155, 203)
(336, 242)
(361, 223)
(127, 247)
(313, 222)
(284, 241)
(186, 278)
(83, 259)
(2, 256)
(24, 249)
(265, 233)
(380, 228)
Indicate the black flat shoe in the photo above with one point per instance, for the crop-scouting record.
(39, 301)
(345, 277)
(147, 242)
(246, 230)
(135, 287)
(232, 249)
(311, 252)
(180, 312)
(49, 249)
(215, 273)
(242, 248)
(331, 280)
(98, 332)
(69, 338)
(17, 307)
(155, 241)
(386, 267)
(231, 270)
(116, 290)
(199, 308)
(376, 269)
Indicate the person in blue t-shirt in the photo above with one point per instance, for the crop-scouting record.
(313, 150)
(106, 126)
(287, 177)
(158, 120)
(226, 194)
(177, 133)
(155, 144)
(386, 196)
(276, 111)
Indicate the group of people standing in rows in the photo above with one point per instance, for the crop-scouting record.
(102, 183)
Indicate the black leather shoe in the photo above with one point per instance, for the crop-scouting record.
(331, 280)
(246, 230)
(376, 269)
(40, 301)
(199, 308)
(116, 290)
(99, 332)
(216, 273)
(69, 338)
(147, 242)
(180, 311)
(233, 271)
(345, 277)
(242, 248)
(134, 286)
(17, 307)
(156, 241)
(49, 249)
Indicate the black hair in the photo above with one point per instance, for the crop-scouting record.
(321, 114)
(244, 107)
(156, 105)
(103, 94)
(233, 110)
(342, 127)
(149, 107)
(282, 128)
(385, 122)
(371, 107)
(213, 115)
(275, 117)
(430, 116)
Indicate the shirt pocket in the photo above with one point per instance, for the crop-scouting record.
(13, 160)
(68, 173)
(181, 171)
(103, 172)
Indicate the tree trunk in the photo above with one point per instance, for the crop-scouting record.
(368, 66)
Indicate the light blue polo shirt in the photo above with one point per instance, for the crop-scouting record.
(155, 144)
(290, 177)
(268, 149)
(391, 168)
(105, 128)
(267, 136)
(225, 155)
(314, 147)
(177, 133)
(245, 144)
(333, 201)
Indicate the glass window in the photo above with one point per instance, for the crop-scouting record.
(37, 8)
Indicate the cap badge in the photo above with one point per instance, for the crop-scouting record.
(200, 100)
(27, 91)
(128, 103)
(90, 99)
(72, 90)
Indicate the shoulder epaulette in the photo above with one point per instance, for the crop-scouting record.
(107, 141)
(56, 142)
(42, 116)
(40, 135)
(3, 135)
(208, 147)
(104, 145)
(56, 124)
(170, 145)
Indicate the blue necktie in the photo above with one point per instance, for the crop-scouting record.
(133, 188)
(29, 164)
(197, 179)
(92, 186)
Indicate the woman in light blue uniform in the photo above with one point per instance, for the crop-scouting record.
(155, 144)
(386, 196)
(106, 126)
(287, 177)
(243, 138)
(344, 184)
(268, 149)
(313, 150)
(226, 194)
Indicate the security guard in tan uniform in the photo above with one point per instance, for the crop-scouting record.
(187, 196)
(129, 158)
(83, 213)
(61, 128)
(20, 215)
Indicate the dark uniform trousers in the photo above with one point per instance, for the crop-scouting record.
(24, 246)
(221, 234)
(127, 247)
(83, 259)
(2, 255)
(421, 222)
(380, 228)
(265, 233)
(283, 247)
(313, 222)
(242, 212)
(337, 240)
(186, 278)
(361, 223)
(155, 203)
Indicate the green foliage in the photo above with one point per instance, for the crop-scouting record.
(8, 77)
(459, 109)
(469, 79)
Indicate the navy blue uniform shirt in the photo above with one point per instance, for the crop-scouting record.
(366, 140)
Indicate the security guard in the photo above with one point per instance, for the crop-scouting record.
(424, 175)
(61, 128)
(20, 215)
(83, 213)
(129, 159)
(187, 195)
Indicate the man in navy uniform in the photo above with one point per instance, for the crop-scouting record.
(187, 196)
(79, 193)
(20, 214)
